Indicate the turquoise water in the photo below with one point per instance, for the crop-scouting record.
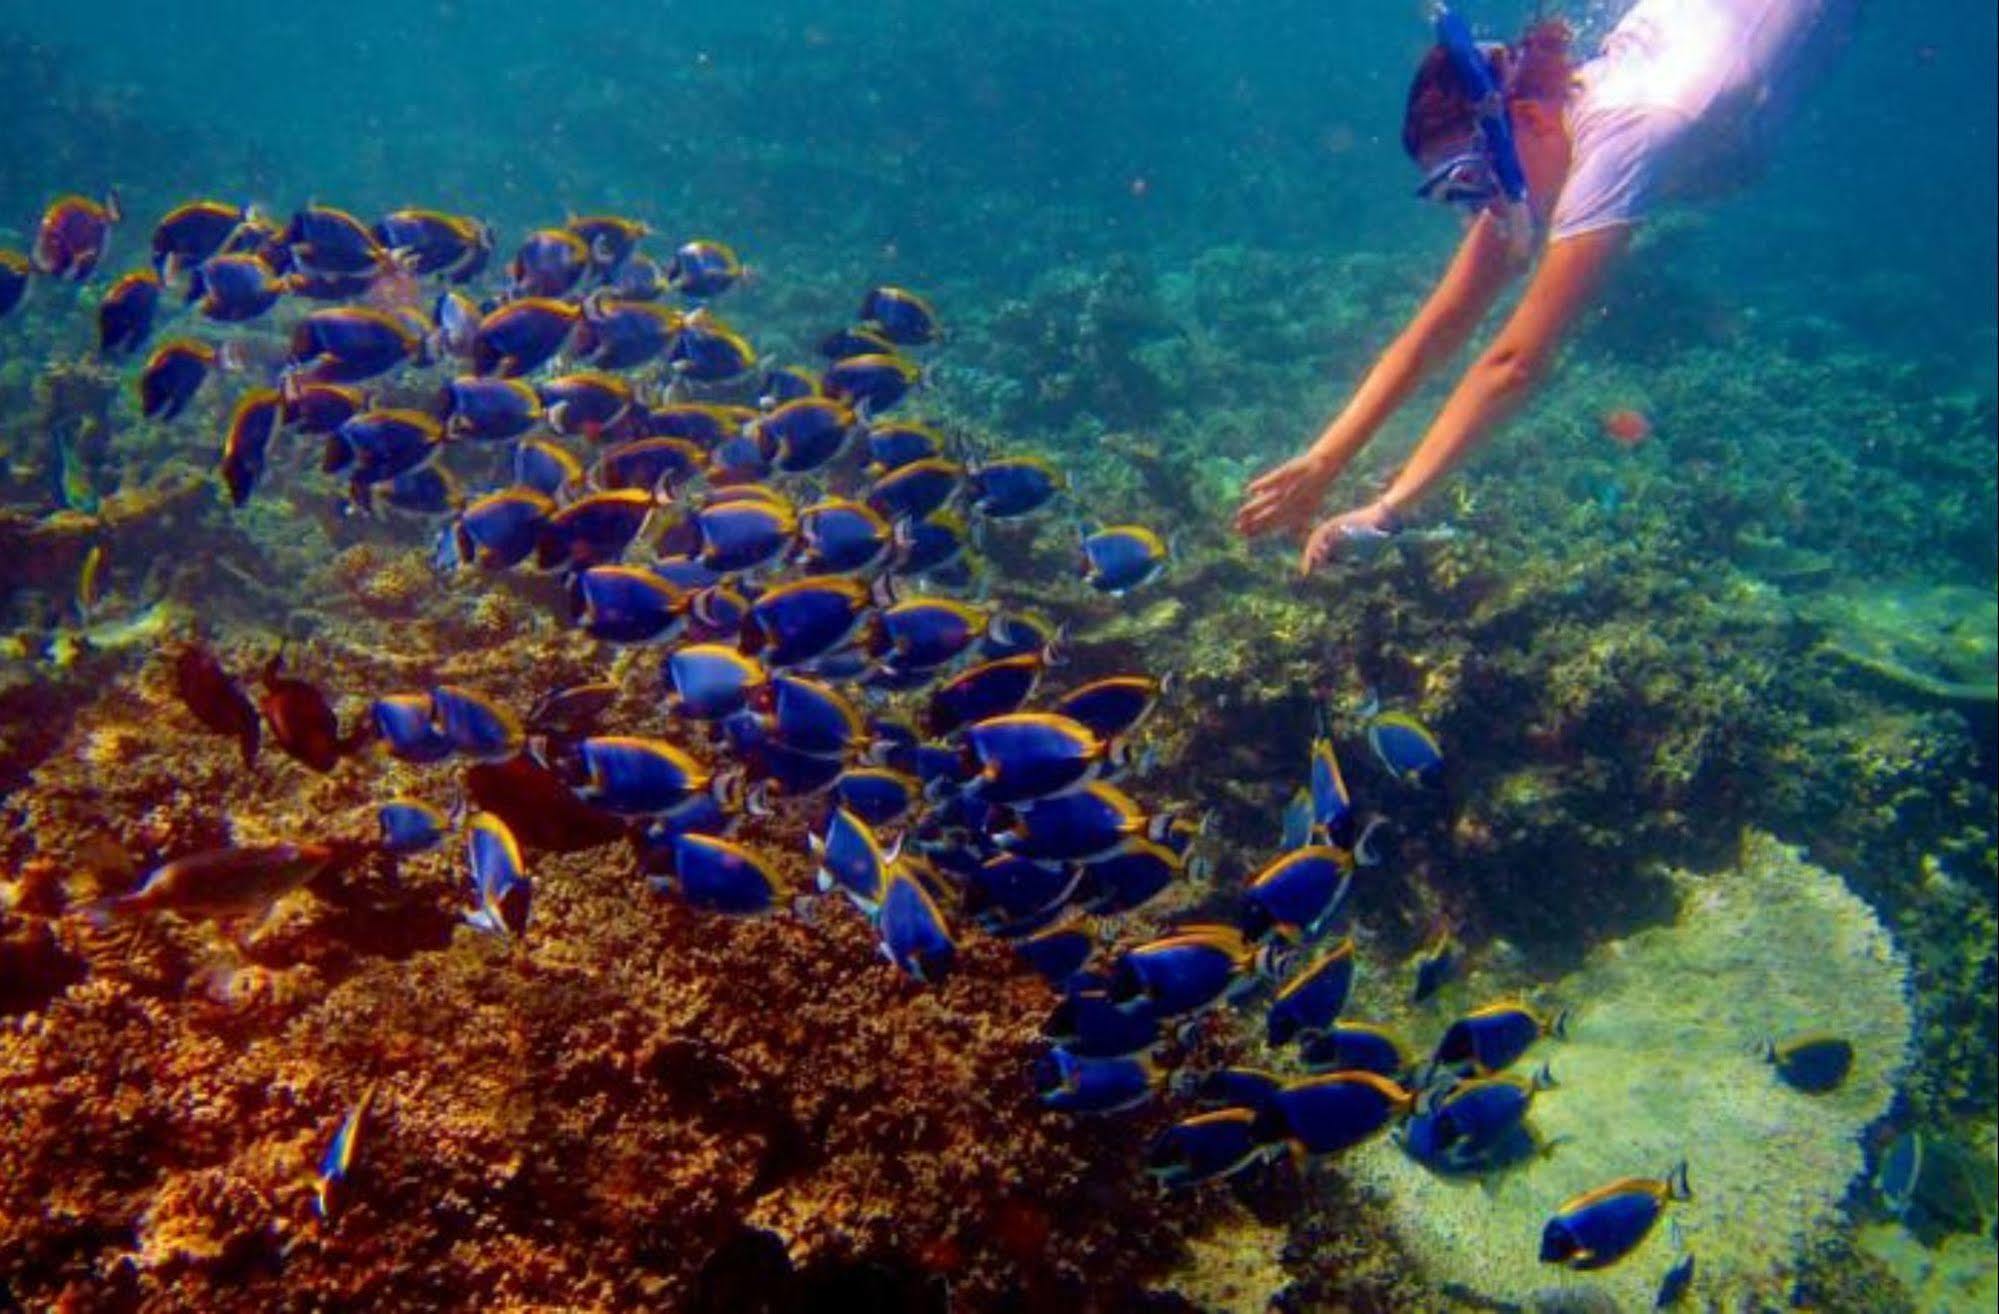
(1166, 238)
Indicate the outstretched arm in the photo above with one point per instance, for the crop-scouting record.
(1288, 497)
(1503, 377)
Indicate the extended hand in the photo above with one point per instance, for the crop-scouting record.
(1284, 500)
(1371, 523)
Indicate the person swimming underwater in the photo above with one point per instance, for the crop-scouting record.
(1542, 155)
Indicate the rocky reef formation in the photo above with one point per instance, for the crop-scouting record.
(1663, 1063)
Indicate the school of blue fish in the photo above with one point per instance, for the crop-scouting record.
(804, 558)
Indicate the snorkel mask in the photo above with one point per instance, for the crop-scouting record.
(1487, 174)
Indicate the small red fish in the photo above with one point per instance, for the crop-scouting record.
(542, 812)
(301, 720)
(72, 235)
(1627, 427)
(216, 700)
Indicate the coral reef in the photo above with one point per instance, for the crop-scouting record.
(1663, 1063)
(610, 1116)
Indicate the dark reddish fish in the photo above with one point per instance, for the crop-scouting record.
(541, 811)
(301, 719)
(72, 235)
(216, 700)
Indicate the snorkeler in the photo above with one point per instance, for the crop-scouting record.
(1540, 155)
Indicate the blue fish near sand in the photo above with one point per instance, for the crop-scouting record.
(1597, 1228)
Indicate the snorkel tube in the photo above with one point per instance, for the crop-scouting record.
(1494, 128)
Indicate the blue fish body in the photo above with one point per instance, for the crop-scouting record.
(1058, 953)
(1205, 1148)
(1406, 748)
(738, 536)
(490, 409)
(795, 774)
(520, 336)
(1492, 1039)
(1477, 1116)
(1113, 706)
(1181, 973)
(426, 490)
(1332, 804)
(1434, 970)
(709, 682)
(330, 241)
(807, 618)
(594, 530)
(1234, 1087)
(877, 795)
(545, 466)
(1123, 558)
(979, 693)
(1017, 633)
(786, 383)
(873, 383)
(1130, 879)
(549, 263)
(1013, 887)
(1076, 827)
(336, 1163)
(851, 859)
(172, 375)
(903, 317)
(477, 727)
(125, 316)
(1813, 1064)
(1325, 1115)
(1015, 486)
(638, 777)
(347, 344)
(1312, 1001)
(704, 269)
(410, 826)
(708, 351)
(915, 490)
(841, 536)
(1089, 1025)
(810, 717)
(622, 334)
(652, 464)
(1354, 1047)
(1298, 893)
(718, 876)
(913, 933)
(1032, 755)
(1596, 1229)
(1298, 823)
(805, 434)
(1073, 1084)
(893, 444)
(405, 725)
(232, 289)
(246, 446)
(387, 443)
(502, 893)
(624, 604)
(500, 530)
(922, 633)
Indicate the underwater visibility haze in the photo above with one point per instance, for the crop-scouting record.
(630, 676)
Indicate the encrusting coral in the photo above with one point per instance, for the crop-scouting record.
(1664, 1062)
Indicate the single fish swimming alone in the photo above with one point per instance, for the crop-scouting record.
(337, 1163)
(236, 881)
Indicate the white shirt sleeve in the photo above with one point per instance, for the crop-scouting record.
(1618, 159)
